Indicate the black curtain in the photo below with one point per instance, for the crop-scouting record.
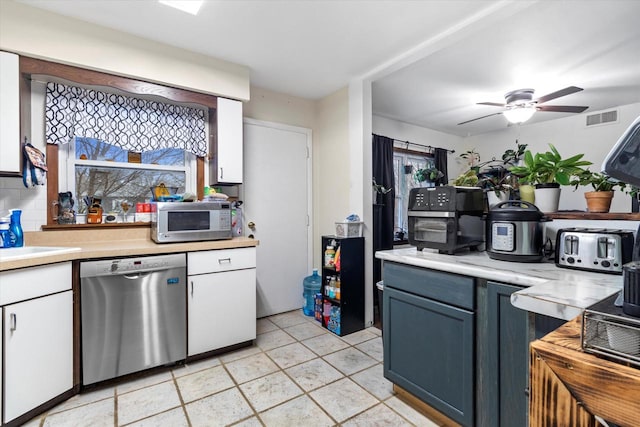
(383, 207)
(440, 163)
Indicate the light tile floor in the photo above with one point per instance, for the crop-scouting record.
(295, 374)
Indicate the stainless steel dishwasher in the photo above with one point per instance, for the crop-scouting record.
(133, 315)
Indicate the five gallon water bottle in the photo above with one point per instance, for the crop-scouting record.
(311, 286)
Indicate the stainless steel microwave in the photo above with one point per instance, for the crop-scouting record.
(173, 222)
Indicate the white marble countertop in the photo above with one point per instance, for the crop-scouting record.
(549, 290)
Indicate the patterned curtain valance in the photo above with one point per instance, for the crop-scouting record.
(131, 123)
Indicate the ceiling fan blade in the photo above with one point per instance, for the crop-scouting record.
(562, 92)
(561, 108)
(478, 118)
(494, 104)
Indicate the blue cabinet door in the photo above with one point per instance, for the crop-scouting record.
(507, 359)
(429, 351)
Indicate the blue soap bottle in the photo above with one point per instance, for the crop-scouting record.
(15, 229)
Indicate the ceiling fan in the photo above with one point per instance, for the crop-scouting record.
(520, 105)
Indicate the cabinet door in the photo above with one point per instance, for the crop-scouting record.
(221, 310)
(38, 344)
(507, 363)
(9, 114)
(229, 149)
(429, 351)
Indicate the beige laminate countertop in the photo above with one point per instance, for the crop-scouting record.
(109, 244)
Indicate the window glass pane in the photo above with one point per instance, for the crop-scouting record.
(404, 167)
(94, 149)
(118, 185)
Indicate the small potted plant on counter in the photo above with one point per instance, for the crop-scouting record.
(549, 171)
(427, 177)
(598, 200)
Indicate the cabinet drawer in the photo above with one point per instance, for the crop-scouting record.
(33, 282)
(440, 286)
(220, 260)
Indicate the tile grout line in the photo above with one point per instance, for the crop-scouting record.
(351, 345)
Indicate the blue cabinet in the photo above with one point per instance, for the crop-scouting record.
(429, 342)
(457, 343)
(504, 364)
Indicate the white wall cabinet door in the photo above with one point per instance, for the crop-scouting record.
(228, 153)
(9, 114)
(38, 345)
(221, 310)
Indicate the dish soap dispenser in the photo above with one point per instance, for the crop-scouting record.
(15, 229)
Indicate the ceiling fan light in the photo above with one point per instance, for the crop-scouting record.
(519, 114)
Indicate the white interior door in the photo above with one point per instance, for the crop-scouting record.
(277, 199)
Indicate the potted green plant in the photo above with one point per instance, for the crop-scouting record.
(467, 179)
(512, 157)
(498, 188)
(472, 157)
(548, 171)
(427, 176)
(598, 200)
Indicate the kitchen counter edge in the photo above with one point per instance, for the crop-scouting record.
(548, 290)
(125, 248)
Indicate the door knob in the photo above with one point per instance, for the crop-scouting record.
(251, 225)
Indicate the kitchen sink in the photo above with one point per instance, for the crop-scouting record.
(13, 254)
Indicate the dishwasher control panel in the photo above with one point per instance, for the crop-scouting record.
(128, 265)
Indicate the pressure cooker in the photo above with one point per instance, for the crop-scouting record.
(515, 232)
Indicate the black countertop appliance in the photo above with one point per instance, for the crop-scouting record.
(447, 218)
(623, 163)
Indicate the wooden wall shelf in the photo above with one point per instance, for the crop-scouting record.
(589, 215)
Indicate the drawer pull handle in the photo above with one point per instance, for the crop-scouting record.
(224, 260)
(192, 288)
(14, 322)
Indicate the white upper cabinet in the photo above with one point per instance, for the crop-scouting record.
(9, 114)
(226, 159)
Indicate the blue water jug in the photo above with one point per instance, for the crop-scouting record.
(311, 286)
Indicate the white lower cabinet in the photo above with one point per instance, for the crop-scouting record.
(221, 299)
(37, 338)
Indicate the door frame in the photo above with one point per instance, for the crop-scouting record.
(309, 138)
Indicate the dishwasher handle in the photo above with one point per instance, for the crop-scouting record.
(137, 275)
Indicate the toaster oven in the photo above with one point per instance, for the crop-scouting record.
(446, 218)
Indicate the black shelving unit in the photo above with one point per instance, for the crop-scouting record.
(351, 274)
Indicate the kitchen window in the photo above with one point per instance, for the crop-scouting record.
(404, 166)
(97, 168)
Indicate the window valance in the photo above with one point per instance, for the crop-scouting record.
(131, 123)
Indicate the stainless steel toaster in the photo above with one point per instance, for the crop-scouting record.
(594, 249)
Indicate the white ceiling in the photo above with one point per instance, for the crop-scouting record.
(431, 60)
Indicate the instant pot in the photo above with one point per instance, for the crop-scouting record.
(515, 232)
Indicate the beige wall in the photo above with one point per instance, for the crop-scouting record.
(280, 108)
(45, 35)
(331, 165)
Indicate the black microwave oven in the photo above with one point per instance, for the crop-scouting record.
(173, 222)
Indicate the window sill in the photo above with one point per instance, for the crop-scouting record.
(59, 227)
